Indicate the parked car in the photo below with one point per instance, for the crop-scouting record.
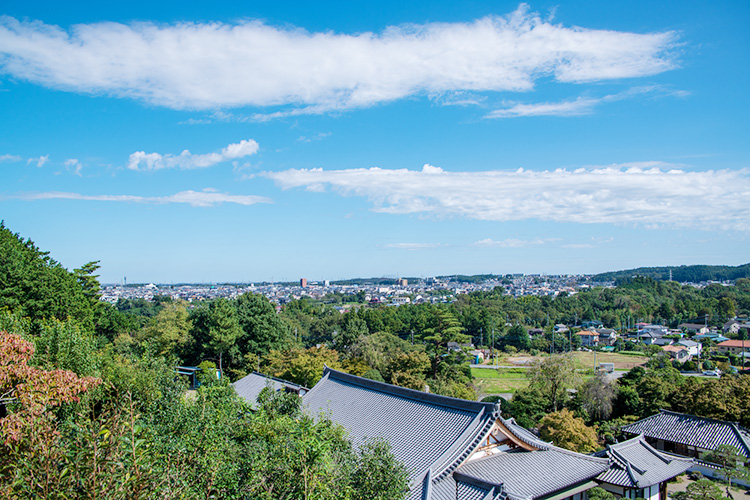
(712, 373)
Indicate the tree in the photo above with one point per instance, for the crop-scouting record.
(445, 328)
(567, 431)
(223, 329)
(518, 337)
(353, 328)
(597, 395)
(38, 287)
(733, 463)
(703, 489)
(170, 329)
(262, 329)
(553, 376)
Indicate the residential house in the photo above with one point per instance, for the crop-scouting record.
(638, 470)
(734, 346)
(731, 326)
(679, 353)
(714, 336)
(694, 327)
(694, 348)
(663, 341)
(650, 337)
(607, 336)
(588, 338)
(560, 328)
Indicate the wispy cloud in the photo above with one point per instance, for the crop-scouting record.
(140, 160)
(40, 161)
(74, 166)
(578, 106)
(644, 194)
(317, 137)
(412, 246)
(513, 242)
(205, 198)
(249, 63)
(10, 158)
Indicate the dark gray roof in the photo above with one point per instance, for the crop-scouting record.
(430, 434)
(526, 475)
(250, 386)
(705, 433)
(635, 464)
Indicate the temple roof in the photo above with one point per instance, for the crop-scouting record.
(636, 464)
(250, 386)
(523, 475)
(704, 433)
(430, 434)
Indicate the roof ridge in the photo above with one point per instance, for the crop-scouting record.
(281, 380)
(425, 397)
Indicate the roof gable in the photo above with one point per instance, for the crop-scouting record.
(701, 432)
(636, 464)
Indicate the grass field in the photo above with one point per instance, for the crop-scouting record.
(509, 380)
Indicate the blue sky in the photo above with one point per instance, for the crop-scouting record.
(228, 141)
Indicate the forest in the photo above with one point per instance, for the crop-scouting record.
(90, 405)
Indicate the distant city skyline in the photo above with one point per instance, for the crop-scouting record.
(207, 142)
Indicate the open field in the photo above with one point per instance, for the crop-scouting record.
(512, 375)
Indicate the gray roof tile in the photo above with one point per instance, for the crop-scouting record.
(636, 464)
(425, 431)
(250, 386)
(705, 433)
(531, 474)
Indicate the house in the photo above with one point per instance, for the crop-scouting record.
(733, 346)
(588, 338)
(716, 337)
(694, 327)
(689, 435)
(560, 328)
(731, 326)
(650, 337)
(657, 329)
(662, 341)
(453, 448)
(607, 336)
(638, 470)
(249, 387)
(694, 348)
(679, 353)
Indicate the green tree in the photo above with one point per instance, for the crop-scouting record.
(38, 287)
(733, 463)
(518, 337)
(703, 489)
(262, 329)
(552, 377)
(567, 431)
(445, 328)
(223, 329)
(170, 329)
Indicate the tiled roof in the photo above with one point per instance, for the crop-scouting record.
(705, 433)
(428, 433)
(734, 343)
(525, 475)
(635, 464)
(250, 386)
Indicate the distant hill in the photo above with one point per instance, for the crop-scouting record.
(682, 274)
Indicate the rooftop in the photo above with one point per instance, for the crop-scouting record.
(636, 464)
(701, 432)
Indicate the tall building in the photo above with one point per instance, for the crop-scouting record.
(403, 282)
(303, 283)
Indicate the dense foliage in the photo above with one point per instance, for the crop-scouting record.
(682, 274)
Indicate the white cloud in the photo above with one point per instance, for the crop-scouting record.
(40, 162)
(249, 63)
(412, 246)
(643, 194)
(10, 158)
(206, 198)
(140, 160)
(578, 106)
(73, 165)
(513, 242)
